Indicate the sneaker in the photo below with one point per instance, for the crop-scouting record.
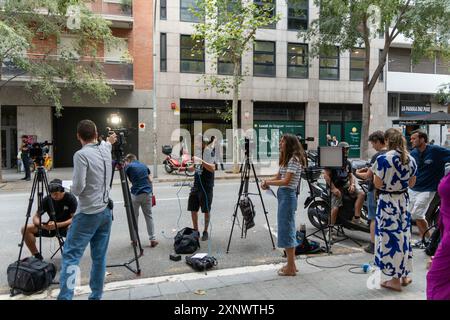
(370, 248)
(357, 221)
(153, 243)
(205, 236)
(419, 244)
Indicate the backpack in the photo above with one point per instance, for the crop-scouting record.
(248, 212)
(306, 246)
(432, 246)
(201, 263)
(186, 241)
(33, 275)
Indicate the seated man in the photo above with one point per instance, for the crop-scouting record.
(342, 180)
(65, 205)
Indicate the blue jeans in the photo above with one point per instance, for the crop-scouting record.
(86, 228)
(371, 205)
(287, 205)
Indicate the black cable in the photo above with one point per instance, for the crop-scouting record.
(352, 266)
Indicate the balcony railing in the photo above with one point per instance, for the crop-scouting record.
(116, 72)
(110, 8)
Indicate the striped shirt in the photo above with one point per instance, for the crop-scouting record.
(295, 167)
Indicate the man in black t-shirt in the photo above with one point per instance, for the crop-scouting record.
(342, 180)
(202, 192)
(65, 205)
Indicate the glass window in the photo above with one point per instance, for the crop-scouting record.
(186, 6)
(329, 64)
(163, 52)
(228, 9)
(357, 57)
(269, 5)
(264, 59)
(297, 60)
(381, 77)
(442, 65)
(393, 105)
(192, 55)
(225, 66)
(298, 15)
(163, 10)
(399, 60)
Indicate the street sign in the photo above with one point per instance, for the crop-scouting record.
(142, 127)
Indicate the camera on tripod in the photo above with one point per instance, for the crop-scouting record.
(39, 150)
(117, 147)
(303, 141)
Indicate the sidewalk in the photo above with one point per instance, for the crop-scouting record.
(12, 178)
(263, 283)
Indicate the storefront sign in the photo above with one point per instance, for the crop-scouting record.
(410, 108)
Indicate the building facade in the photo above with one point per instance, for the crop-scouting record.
(128, 69)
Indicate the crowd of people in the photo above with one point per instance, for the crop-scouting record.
(402, 185)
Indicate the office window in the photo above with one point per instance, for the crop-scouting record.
(442, 65)
(357, 57)
(163, 10)
(399, 60)
(393, 104)
(381, 77)
(298, 15)
(185, 11)
(264, 59)
(229, 9)
(329, 64)
(297, 61)
(192, 55)
(225, 66)
(117, 53)
(269, 5)
(163, 53)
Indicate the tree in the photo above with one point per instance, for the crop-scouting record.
(353, 23)
(25, 25)
(228, 28)
(443, 94)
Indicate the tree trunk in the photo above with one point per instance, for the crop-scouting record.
(1, 161)
(365, 122)
(235, 106)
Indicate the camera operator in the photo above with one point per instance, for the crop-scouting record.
(25, 155)
(65, 205)
(92, 220)
(141, 193)
(202, 192)
(378, 143)
(342, 180)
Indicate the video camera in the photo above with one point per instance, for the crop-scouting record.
(304, 140)
(39, 150)
(117, 147)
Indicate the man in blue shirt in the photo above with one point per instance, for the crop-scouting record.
(431, 160)
(141, 193)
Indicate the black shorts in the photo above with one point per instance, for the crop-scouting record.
(197, 200)
(52, 233)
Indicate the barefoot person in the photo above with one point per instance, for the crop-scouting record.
(394, 172)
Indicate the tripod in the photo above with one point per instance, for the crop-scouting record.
(40, 184)
(131, 218)
(243, 193)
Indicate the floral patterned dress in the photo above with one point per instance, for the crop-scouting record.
(393, 252)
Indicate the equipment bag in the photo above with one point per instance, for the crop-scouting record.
(306, 246)
(186, 241)
(432, 246)
(33, 275)
(248, 212)
(201, 264)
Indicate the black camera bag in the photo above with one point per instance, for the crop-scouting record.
(33, 275)
(186, 241)
(201, 264)
(248, 212)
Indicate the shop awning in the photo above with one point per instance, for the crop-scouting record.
(442, 118)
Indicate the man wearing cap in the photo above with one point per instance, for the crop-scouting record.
(65, 205)
(342, 180)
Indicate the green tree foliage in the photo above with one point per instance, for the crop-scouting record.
(354, 23)
(26, 24)
(229, 28)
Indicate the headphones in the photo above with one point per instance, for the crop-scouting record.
(55, 186)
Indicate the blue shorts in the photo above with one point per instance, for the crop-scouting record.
(371, 205)
(287, 205)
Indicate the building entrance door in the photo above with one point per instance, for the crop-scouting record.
(9, 147)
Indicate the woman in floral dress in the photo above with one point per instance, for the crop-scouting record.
(394, 172)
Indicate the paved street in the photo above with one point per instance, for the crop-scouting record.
(250, 265)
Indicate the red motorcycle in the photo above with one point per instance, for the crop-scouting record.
(171, 164)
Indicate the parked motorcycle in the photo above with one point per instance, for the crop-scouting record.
(174, 165)
(318, 204)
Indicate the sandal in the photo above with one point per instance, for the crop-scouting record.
(406, 282)
(281, 272)
(385, 284)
